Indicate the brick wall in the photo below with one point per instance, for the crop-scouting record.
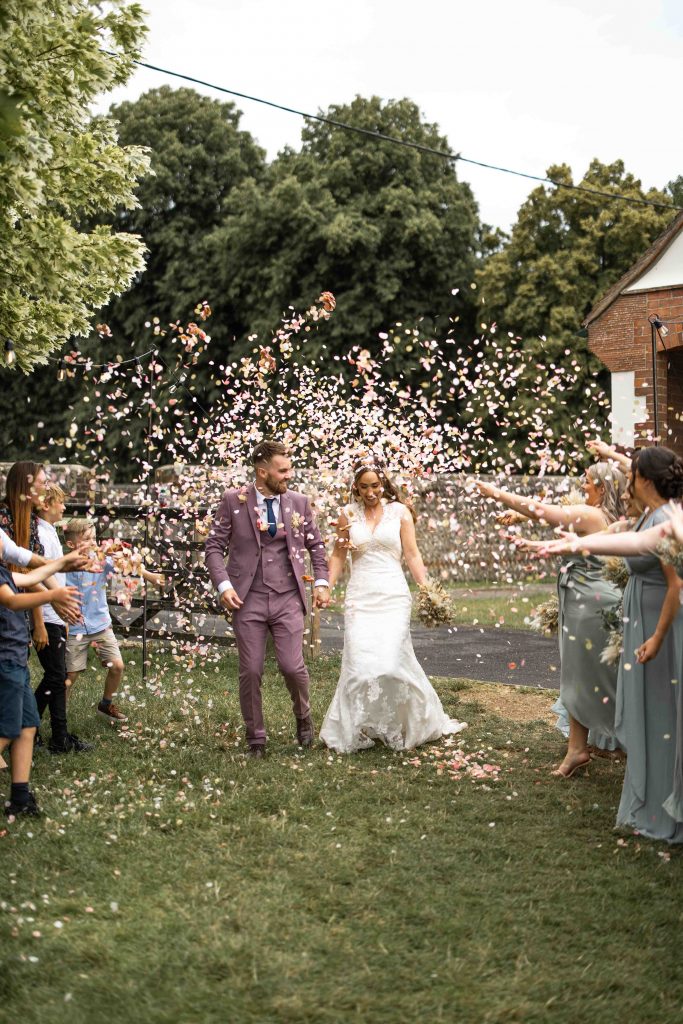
(621, 338)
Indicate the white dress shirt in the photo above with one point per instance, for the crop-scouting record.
(263, 516)
(12, 554)
(53, 549)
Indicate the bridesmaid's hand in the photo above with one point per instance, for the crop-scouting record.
(648, 650)
(486, 489)
(568, 544)
(600, 449)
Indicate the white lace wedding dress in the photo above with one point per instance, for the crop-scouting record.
(382, 693)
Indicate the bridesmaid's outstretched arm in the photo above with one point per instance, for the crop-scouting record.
(640, 542)
(582, 518)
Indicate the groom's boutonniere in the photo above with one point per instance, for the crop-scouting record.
(242, 496)
(297, 520)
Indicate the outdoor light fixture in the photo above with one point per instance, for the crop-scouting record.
(180, 381)
(10, 354)
(61, 372)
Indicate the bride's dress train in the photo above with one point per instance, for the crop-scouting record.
(382, 693)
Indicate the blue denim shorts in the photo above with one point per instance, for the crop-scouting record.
(18, 708)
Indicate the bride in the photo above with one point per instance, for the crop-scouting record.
(382, 693)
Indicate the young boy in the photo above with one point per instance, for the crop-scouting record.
(95, 627)
(50, 632)
(18, 712)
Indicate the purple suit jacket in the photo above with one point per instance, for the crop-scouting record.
(235, 534)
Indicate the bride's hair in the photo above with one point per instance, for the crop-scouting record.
(392, 492)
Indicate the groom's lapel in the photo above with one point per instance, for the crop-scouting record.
(252, 505)
(286, 517)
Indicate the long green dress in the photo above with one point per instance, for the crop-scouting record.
(587, 686)
(648, 701)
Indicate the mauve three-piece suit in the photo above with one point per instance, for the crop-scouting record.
(267, 574)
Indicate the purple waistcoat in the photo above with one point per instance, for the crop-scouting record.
(274, 569)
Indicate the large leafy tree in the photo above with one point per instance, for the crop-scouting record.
(58, 166)
(565, 250)
(390, 230)
(199, 155)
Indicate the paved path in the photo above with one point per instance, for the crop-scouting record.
(510, 656)
(469, 652)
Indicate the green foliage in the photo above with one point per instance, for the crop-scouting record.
(389, 230)
(565, 250)
(57, 166)
(199, 156)
(675, 189)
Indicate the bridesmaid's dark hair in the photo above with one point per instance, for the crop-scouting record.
(392, 492)
(663, 467)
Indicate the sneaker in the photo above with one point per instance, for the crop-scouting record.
(70, 744)
(111, 712)
(29, 809)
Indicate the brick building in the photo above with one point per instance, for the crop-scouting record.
(620, 334)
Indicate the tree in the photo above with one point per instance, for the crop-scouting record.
(390, 230)
(58, 166)
(675, 189)
(198, 157)
(565, 250)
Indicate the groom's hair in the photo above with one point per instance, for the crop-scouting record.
(265, 450)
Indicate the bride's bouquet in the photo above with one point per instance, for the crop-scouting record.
(434, 606)
(545, 617)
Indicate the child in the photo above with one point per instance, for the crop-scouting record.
(95, 626)
(49, 634)
(18, 712)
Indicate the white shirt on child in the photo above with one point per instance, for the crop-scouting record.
(53, 549)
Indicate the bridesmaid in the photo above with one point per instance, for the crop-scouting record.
(587, 686)
(649, 715)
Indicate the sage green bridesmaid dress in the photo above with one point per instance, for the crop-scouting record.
(648, 705)
(587, 686)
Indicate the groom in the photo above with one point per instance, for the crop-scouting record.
(265, 530)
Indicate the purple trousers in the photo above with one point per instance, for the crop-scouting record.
(283, 616)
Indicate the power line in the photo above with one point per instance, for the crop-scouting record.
(443, 154)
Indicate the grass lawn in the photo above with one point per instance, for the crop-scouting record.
(172, 881)
(473, 608)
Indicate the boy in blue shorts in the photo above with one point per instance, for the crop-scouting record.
(95, 628)
(18, 712)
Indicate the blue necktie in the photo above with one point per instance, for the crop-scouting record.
(272, 525)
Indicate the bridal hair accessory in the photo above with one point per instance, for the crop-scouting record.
(434, 606)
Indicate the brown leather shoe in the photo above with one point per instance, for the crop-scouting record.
(305, 733)
(257, 751)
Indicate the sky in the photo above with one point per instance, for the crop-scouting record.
(522, 84)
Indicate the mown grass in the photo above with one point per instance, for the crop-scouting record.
(195, 887)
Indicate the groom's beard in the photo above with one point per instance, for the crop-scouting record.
(275, 486)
